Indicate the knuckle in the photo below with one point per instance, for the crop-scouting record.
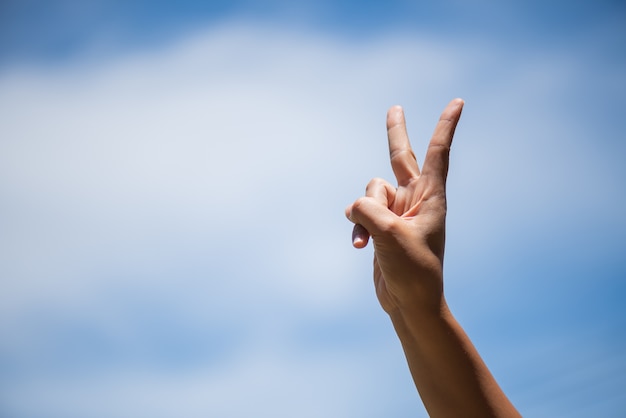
(401, 153)
(374, 183)
(348, 211)
(438, 147)
(358, 204)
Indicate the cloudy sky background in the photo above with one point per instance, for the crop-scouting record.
(172, 183)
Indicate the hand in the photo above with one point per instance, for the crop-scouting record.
(407, 225)
(407, 222)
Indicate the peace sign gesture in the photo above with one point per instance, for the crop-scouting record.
(407, 225)
(407, 222)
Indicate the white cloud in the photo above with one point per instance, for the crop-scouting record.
(239, 135)
(207, 180)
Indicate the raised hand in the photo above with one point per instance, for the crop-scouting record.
(407, 225)
(407, 222)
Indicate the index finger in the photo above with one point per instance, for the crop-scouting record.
(438, 154)
(402, 158)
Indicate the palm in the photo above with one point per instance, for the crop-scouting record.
(418, 209)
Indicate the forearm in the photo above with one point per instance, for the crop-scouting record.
(448, 372)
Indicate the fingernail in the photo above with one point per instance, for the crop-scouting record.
(360, 236)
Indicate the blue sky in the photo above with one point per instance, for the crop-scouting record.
(172, 185)
(37, 29)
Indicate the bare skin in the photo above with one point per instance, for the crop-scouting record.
(407, 226)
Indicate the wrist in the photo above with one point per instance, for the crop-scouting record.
(416, 321)
(418, 296)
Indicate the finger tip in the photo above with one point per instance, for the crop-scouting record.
(395, 116)
(359, 243)
(395, 110)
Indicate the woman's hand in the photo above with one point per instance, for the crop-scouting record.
(407, 222)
